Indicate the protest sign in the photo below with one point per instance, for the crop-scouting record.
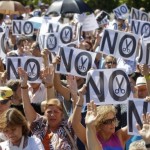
(89, 23)
(2, 45)
(32, 65)
(138, 15)
(144, 54)
(119, 44)
(141, 28)
(121, 12)
(57, 34)
(107, 86)
(136, 107)
(75, 61)
(22, 27)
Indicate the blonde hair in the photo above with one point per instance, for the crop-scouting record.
(11, 118)
(102, 112)
(140, 145)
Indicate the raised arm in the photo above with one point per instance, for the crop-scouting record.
(145, 130)
(28, 109)
(64, 91)
(91, 116)
(78, 128)
(72, 85)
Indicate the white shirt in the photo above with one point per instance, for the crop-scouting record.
(39, 95)
(34, 143)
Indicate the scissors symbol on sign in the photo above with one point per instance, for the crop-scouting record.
(32, 68)
(83, 62)
(127, 46)
(119, 86)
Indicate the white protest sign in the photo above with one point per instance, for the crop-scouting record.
(2, 45)
(89, 23)
(120, 44)
(141, 28)
(138, 15)
(107, 86)
(74, 61)
(49, 41)
(32, 65)
(144, 54)
(22, 27)
(121, 12)
(136, 107)
(57, 35)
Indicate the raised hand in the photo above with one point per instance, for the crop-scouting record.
(72, 84)
(144, 69)
(145, 130)
(91, 114)
(48, 75)
(23, 76)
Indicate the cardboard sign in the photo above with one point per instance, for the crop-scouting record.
(107, 86)
(89, 23)
(32, 65)
(22, 27)
(119, 44)
(138, 15)
(75, 61)
(121, 12)
(136, 107)
(141, 28)
(144, 54)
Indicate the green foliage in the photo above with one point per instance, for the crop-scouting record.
(107, 5)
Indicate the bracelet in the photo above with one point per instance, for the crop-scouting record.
(78, 105)
(24, 87)
(147, 145)
(49, 87)
(147, 77)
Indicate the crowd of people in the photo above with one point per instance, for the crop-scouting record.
(50, 115)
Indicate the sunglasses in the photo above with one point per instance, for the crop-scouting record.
(109, 121)
(110, 62)
(3, 102)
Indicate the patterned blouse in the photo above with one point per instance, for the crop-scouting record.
(59, 140)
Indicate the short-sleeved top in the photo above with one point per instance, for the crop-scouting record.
(39, 127)
(112, 144)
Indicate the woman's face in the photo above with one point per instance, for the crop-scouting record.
(13, 134)
(109, 124)
(110, 63)
(54, 115)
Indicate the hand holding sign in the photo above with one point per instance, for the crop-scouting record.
(145, 130)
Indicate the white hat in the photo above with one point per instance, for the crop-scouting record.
(140, 81)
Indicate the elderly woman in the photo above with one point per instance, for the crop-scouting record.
(14, 125)
(51, 128)
(103, 129)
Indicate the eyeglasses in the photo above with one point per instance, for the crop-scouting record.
(3, 102)
(110, 62)
(109, 121)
